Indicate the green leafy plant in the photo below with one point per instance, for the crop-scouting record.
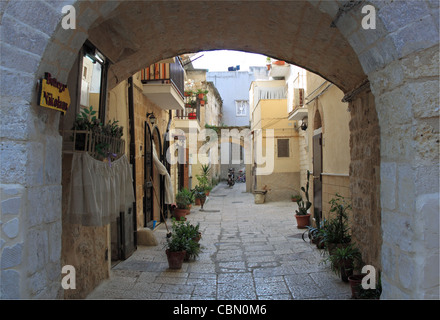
(344, 260)
(303, 206)
(206, 169)
(86, 120)
(337, 230)
(199, 192)
(186, 235)
(183, 199)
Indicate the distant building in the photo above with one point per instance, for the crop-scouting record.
(233, 86)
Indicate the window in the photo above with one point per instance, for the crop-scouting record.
(93, 80)
(240, 107)
(283, 148)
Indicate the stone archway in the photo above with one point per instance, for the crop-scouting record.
(399, 58)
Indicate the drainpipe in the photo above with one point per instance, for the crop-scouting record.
(132, 152)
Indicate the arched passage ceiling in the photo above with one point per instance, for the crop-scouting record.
(137, 34)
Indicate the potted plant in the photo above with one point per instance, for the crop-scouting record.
(200, 195)
(85, 121)
(182, 202)
(336, 231)
(279, 63)
(177, 245)
(201, 93)
(203, 179)
(344, 260)
(355, 281)
(192, 235)
(302, 215)
(192, 116)
(296, 197)
(268, 63)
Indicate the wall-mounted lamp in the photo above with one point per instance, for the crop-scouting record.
(151, 117)
(304, 124)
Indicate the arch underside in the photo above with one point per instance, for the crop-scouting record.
(138, 34)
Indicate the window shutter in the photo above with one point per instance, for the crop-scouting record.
(283, 148)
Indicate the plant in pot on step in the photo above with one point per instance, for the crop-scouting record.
(302, 215)
(177, 245)
(182, 202)
(344, 260)
(200, 195)
(192, 234)
(336, 230)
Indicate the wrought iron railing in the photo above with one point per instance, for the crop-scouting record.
(99, 146)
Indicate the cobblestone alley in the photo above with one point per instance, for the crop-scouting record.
(249, 252)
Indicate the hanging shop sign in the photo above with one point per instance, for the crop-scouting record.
(54, 94)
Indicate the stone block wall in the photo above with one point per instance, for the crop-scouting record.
(365, 178)
(408, 108)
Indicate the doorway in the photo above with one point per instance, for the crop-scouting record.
(317, 173)
(148, 176)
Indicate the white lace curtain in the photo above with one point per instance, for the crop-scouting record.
(99, 191)
(262, 93)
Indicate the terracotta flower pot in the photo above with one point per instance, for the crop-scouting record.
(355, 284)
(302, 220)
(175, 258)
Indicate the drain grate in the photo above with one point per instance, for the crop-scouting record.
(217, 195)
(237, 201)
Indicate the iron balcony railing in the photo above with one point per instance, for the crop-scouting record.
(171, 73)
(189, 113)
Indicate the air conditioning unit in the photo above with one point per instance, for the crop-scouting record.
(298, 97)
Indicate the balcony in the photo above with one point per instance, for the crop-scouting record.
(279, 70)
(163, 84)
(299, 112)
(188, 120)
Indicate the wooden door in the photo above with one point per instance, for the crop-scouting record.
(317, 174)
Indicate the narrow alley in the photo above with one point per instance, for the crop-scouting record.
(249, 252)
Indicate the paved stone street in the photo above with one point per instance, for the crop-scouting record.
(249, 252)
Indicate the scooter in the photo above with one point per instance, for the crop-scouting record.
(231, 178)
